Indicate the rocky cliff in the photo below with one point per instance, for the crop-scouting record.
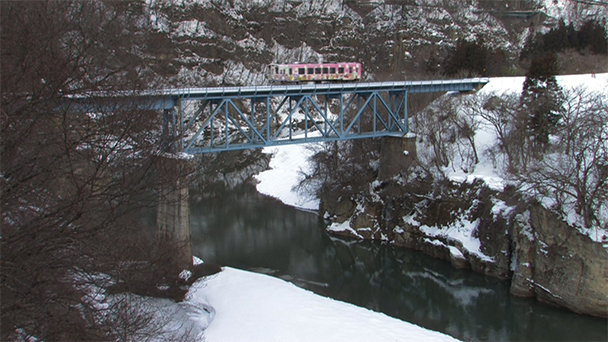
(221, 42)
(490, 232)
(559, 265)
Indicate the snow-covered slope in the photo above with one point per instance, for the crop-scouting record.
(254, 307)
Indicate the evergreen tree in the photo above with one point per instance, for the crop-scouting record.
(556, 39)
(593, 36)
(469, 57)
(533, 46)
(572, 37)
(541, 98)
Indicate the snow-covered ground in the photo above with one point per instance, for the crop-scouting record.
(284, 175)
(485, 139)
(255, 307)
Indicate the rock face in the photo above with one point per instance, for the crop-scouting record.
(226, 42)
(559, 265)
(542, 255)
(400, 151)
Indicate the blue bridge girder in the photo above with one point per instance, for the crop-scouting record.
(220, 125)
(219, 119)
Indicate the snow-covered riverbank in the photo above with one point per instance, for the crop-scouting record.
(256, 307)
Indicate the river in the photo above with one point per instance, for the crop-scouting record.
(244, 229)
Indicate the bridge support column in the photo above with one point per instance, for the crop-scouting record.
(173, 211)
(397, 154)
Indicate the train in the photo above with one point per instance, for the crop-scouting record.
(313, 72)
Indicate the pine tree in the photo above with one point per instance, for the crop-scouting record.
(593, 36)
(533, 46)
(556, 40)
(572, 37)
(468, 57)
(542, 99)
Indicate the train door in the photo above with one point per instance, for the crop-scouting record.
(271, 72)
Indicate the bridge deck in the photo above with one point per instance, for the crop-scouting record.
(427, 86)
(167, 98)
(231, 118)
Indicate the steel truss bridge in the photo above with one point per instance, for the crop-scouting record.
(235, 118)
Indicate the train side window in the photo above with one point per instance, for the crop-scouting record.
(325, 70)
(317, 71)
(301, 71)
(332, 70)
(276, 70)
(290, 71)
(350, 70)
(340, 70)
(310, 71)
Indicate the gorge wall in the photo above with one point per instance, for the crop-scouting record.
(492, 233)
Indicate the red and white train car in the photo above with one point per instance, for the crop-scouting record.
(311, 72)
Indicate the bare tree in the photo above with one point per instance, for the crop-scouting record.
(72, 182)
(575, 172)
(449, 134)
(510, 124)
(341, 168)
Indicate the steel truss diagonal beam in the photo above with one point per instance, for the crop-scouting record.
(225, 119)
(242, 123)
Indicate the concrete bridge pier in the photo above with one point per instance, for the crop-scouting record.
(173, 212)
(397, 154)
